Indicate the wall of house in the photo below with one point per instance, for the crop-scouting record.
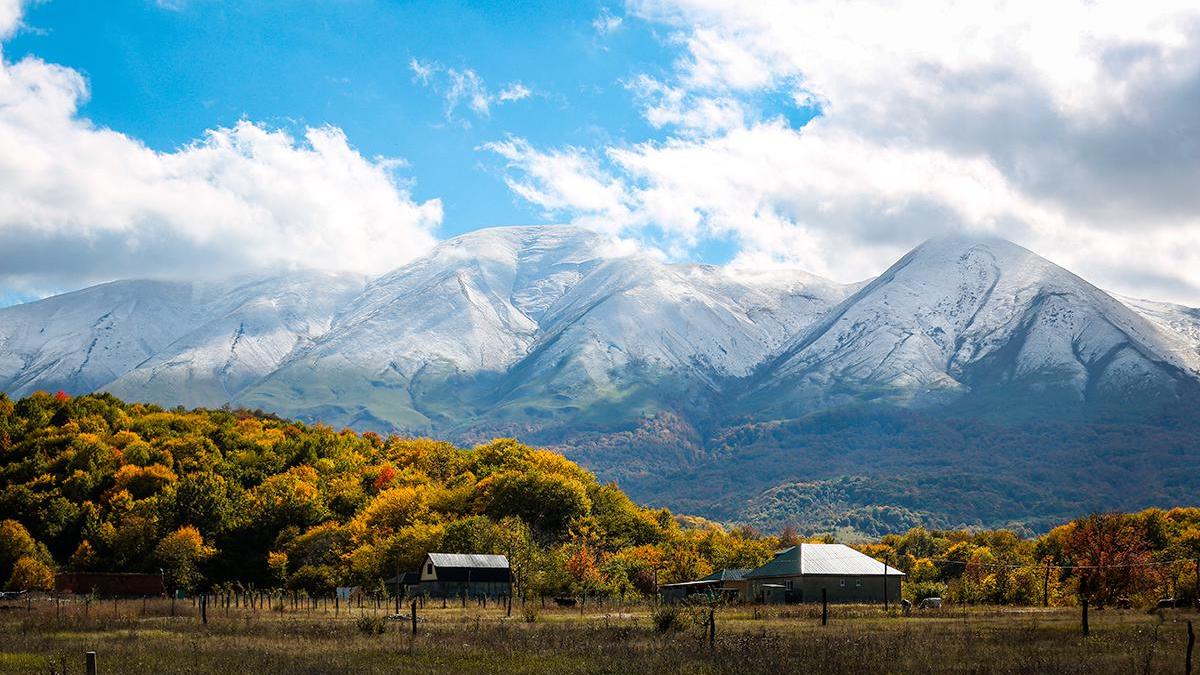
(838, 588)
(457, 589)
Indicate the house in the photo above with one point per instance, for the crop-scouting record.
(110, 584)
(798, 574)
(728, 582)
(464, 574)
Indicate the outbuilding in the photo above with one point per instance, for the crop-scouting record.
(110, 584)
(801, 571)
(465, 574)
(730, 583)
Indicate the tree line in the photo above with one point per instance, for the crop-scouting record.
(210, 497)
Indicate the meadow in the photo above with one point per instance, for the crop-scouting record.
(136, 636)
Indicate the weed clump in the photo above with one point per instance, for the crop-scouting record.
(668, 618)
(370, 625)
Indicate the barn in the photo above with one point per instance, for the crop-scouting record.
(798, 574)
(472, 575)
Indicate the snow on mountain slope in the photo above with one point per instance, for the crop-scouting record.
(1177, 321)
(523, 315)
(466, 310)
(528, 328)
(645, 335)
(80, 341)
(960, 316)
(248, 331)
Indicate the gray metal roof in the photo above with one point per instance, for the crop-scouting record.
(832, 559)
(728, 574)
(468, 560)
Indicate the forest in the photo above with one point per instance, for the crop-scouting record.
(232, 497)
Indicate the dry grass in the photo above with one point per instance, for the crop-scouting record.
(131, 638)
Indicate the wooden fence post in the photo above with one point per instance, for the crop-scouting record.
(712, 626)
(1187, 664)
(1085, 616)
(91, 662)
(824, 608)
(414, 617)
(204, 608)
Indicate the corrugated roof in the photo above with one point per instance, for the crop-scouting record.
(476, 560)
(835, 559)
(728, 574)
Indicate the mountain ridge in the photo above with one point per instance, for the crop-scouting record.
(636, 367)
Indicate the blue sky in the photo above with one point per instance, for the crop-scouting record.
(165, 74)
(190, 138)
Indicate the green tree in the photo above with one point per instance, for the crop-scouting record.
(181, 554)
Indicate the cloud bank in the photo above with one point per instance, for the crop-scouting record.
(81, 203)
(1070, 128)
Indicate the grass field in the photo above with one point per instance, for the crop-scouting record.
(136, 637)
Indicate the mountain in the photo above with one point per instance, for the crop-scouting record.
(513, 328)
(981, 324)
(176, 343)
(972, 367)
(249, 329)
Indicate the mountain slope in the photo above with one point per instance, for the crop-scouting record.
(727, 393)
(81, 341)
(978, 322)
(529, 326)
(249, 330)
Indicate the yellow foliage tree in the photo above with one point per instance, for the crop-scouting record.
(180, 553)
(31, 574)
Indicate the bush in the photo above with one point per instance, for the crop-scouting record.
(531, 613)
(370, 625)
(925, 589)
(668, 618)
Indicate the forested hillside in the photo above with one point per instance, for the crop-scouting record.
(211, 495)
(214, 496)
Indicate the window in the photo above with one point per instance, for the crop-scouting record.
(842, 583)
(858, 583)
(789, 584)
(429, 568)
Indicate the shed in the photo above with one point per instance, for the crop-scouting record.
(110, 584)
(400, 584)
(465, 574)
(846, 575)
(729, 582)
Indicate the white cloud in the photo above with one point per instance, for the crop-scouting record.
(10, 17)
(422, 71)
(514, 92)
(464, 87)
(607, 23)
(667, 106)
(567, 180)
(81, 203)
(1069, 127)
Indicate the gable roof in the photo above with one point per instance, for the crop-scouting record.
(472, 560)
(728, 574)
(829, 559)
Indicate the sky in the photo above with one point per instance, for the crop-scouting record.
(191, 138)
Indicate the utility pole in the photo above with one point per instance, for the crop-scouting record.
(886, 557)
(1046, 585)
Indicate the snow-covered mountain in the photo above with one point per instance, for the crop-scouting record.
(987, 322)
(528, 328)
(177, 343)
(528, 324)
